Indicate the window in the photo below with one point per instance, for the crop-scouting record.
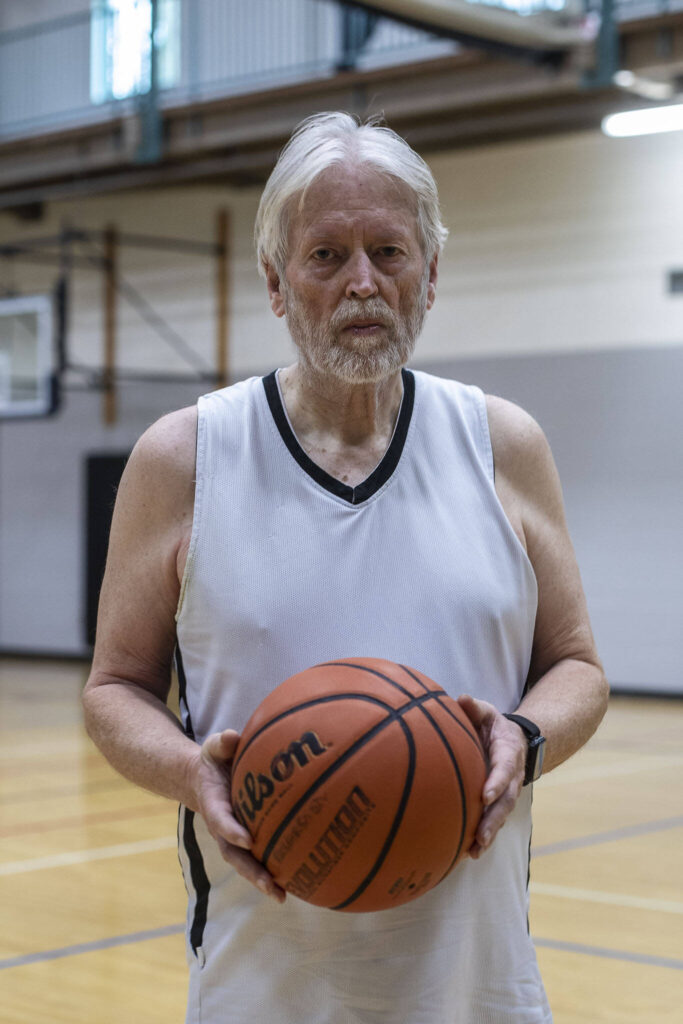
(121, 47)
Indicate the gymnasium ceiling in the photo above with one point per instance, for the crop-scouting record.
(471, 98)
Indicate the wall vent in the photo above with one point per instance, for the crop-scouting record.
(676, 282)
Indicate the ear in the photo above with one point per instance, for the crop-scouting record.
(433, 277)
(277, 303)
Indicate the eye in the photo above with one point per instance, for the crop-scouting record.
(323, 255)
(389, 250)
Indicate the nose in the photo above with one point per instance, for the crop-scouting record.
(361, 283)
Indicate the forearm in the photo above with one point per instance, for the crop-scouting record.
(142, 739)
(567, 703)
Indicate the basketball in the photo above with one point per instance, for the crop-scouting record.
(360, 783)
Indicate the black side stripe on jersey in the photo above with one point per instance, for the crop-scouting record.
(182, 691)
(378, 477)
(528, 881)
(200, 880)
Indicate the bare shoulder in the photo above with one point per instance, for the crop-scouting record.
(515, 434)
(523, 460)
(170, 443)
(161, 467)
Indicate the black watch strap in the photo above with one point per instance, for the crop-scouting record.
(535, 747)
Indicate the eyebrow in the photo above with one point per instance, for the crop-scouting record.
(319, 233)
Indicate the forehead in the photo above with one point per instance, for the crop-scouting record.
(344, 197)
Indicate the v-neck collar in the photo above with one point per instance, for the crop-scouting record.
(379, 475)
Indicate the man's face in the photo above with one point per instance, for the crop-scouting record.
(357, 284)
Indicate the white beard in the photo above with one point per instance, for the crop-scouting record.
(350, 358)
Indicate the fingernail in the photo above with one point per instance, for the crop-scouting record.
(266, 889)
(485, 838)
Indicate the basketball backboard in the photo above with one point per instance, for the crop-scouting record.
(27, 359)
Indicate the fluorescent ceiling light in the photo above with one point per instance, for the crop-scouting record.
(648, 88)
(644, 122)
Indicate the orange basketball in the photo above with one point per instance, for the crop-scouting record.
(360, 783)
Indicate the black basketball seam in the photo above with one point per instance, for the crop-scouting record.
(395, 714)
(380, 675)
(409, 672)
(326, 699)
(396, 824)
(472, 735)
(316, 700)
(463, 801)
(453, 758)
(438, 693)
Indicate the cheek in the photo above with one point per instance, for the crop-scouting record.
(409, 297)
(310, 293)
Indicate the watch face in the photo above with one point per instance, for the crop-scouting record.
(535, 758)
(535, 747)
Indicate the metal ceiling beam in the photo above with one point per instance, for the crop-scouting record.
(466, 20)
(466, 99)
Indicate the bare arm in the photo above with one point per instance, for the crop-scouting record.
(125, 697)
(567, 690)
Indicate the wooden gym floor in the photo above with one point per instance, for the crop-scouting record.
(92, 903)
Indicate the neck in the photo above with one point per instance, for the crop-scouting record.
(352, 415)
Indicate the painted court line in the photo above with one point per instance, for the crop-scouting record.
(616, 899)
(177, 929)
(80, 820)
(91, 947)
(610, 954)
(580, 772)
(627, 832)
(71, 858)
(61, 860)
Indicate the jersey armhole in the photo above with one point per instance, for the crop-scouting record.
(486, 448)
(196, 512)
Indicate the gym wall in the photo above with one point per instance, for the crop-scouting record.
(552, 292)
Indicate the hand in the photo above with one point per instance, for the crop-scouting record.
(211, 784)
(506, 747)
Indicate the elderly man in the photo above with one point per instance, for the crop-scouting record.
(344, 506)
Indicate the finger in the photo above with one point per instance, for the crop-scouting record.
(220, 746)
(475, 851)
(504, 774)
(474, 709)
(223, 826)
(217, 812)
(228, 742)
(249, 868)
(215, 804)
(495, 816)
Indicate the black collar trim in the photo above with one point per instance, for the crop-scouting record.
(379, 475)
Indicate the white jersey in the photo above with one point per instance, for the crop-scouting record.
(289, 567)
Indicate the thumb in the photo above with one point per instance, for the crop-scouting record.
(476, 710)
(220, 746)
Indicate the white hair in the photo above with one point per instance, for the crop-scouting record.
(331, 138)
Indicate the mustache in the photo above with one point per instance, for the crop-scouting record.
(372, 309)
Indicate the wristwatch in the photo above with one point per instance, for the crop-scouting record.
(535, 748)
